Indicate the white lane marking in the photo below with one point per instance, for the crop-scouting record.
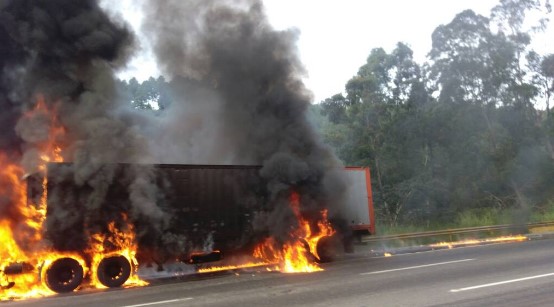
(416, 267)
(502, 282)
(160, 302)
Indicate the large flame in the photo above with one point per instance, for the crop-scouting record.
(298, 255)
(21, 229)
(117, 242)
(300, 252)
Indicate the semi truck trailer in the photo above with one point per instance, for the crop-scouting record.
(203, 213)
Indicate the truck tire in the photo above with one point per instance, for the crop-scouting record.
(64, 275)
(113, 271)
(328, 248)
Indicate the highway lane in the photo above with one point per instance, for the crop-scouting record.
(510, 274)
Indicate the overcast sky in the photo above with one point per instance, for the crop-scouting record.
(336, 36)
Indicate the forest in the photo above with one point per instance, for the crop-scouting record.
(463, 139)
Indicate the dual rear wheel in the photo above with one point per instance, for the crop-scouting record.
(66, 274)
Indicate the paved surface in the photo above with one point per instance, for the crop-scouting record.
(509, 274)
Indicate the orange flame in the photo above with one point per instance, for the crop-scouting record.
(28, 222)
(502, 239)
(292, 257)
(238, 266)
(25, 218)
(47, 145)
(122, 243)
(296, 256)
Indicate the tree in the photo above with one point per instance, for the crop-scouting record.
(335, 108)
(367, 85)
(151, 94)
(510, 18)
(542, 75)
(469, 63)
(385, 78)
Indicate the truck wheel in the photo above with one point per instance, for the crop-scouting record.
(113, 271)
(64, 275)
(328, 248)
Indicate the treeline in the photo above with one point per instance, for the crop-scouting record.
(468, 132)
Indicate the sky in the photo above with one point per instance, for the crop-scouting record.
(336, 36)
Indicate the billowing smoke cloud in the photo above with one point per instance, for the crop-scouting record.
(239, 99)
(66, 52)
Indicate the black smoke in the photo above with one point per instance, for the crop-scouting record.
(240, 100)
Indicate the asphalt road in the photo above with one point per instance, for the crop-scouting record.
(509, 274)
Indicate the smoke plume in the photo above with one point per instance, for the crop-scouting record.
(240, 99)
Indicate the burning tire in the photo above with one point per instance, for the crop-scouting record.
(64, 275)
(113, 271)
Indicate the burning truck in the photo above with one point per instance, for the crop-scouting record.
(92, 189)
(213, 211)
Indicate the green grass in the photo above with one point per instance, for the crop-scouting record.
(476, 218)
(544, 214)
(483, 217)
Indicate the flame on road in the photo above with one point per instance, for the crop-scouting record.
(268, 267)
(503, 239)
